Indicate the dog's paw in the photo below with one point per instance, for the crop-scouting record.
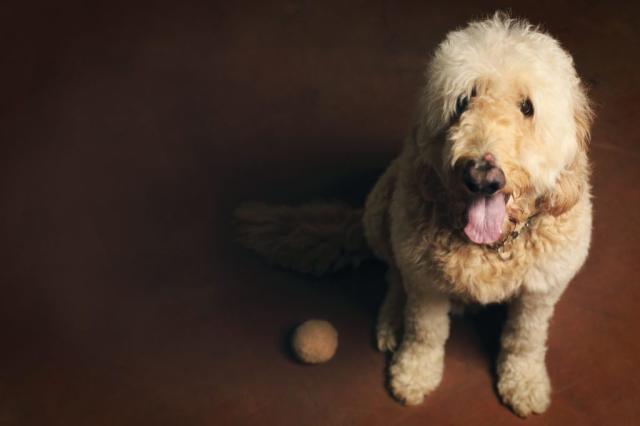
(414, 374)
(387, 337)
(524, 386)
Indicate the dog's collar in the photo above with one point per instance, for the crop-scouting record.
(503, 247)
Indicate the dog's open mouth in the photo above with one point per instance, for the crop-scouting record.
(485, 215)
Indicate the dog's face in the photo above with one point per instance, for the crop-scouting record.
(504, 123)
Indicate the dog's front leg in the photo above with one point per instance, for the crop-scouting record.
(417, 366)
(390, 317)
(523, 382)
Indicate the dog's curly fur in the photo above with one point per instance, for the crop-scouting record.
(415, 215)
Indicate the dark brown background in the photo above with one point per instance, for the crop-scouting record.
(129, 131)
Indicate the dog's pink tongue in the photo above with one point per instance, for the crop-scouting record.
(484, 219)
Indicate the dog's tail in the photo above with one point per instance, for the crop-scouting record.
(313, 238)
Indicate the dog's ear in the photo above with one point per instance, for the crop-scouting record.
(568, 189)
(583, 116)
(428, 182)
(572, 180)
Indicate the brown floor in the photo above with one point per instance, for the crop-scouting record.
(128, 133)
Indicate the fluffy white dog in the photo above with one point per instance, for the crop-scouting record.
(489, 201)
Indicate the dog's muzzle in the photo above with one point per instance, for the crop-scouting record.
(483, 176)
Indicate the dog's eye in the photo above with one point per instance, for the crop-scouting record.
(461, 105)
(526, 107)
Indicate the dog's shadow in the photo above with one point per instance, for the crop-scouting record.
(488, 323)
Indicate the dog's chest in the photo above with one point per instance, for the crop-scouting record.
(479, 274)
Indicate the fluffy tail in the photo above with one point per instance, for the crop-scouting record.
(313, 238)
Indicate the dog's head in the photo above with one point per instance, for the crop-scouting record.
(504, 123)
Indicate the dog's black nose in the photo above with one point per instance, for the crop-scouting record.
(483, 176)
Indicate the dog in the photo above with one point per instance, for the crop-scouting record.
(489, 201)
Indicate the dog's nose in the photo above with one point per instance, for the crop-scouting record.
(483, 176)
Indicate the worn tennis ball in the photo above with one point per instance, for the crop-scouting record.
(315, 341)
